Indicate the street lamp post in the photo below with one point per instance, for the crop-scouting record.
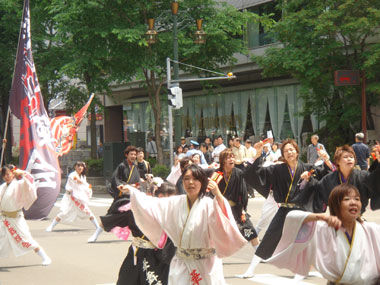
(151, 35)
(174, 8)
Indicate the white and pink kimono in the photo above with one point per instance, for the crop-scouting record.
(14, 231)
(328, 250)
(202, 235)
(75, 201)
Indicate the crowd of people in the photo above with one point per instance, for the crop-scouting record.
(182, 227)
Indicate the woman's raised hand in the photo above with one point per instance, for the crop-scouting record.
(213, 187)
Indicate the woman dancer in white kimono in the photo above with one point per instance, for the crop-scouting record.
(343, 248)
(75, 201)
(16, 193)
(203, 229)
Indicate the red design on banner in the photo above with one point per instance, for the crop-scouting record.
(80, 205)
(195, 277)
(15, 235)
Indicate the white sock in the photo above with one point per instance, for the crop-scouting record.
(94, 237)
(45, 258)
(52, 225)
(95, 222)
(250, 271)
(298, 277)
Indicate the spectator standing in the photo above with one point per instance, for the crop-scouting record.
(231, 142)
(151, 148)
(99, 151)
(194, 150)
(361, 151)
(142, 165)
(219, 147)
(312, 150)
(266, 151)
(206, 152)
(183, 142)
(209, 144)
(251, 151)
(275, 153)
(240, 154)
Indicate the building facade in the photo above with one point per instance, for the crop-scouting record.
(247, 106)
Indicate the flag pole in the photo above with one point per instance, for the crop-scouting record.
(13, 77)
(4, 143)
(5, 135)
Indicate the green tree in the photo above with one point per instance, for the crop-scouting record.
(315, 39)
(85, 39)
(46, 55)
(10, 19)
(222, 23)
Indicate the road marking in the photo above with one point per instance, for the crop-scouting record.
(273, 279)
(270, 279)
(94, 202)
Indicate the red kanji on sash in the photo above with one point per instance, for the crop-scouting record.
(195, 277)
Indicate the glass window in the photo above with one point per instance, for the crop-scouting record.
(249, 126)
(255, 34)
(286, 131)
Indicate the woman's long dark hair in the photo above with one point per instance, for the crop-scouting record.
(81, 163)
(6, 167)
(200, 175)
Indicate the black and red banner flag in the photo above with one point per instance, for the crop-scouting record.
(37, 151)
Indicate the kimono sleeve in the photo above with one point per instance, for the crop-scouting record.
(223, 230)
(321, 171)
(25, 191)
(373, 184)
(373, 230)
(259, 177)
(150, 214)
(295, 251)
(321, 190)
(70, 184)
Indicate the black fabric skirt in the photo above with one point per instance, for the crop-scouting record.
(247, 229)
(149, 266)
(273, 234)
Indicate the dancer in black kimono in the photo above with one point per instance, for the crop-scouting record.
(147, 264)
(367, 182)
(285, 180)
(233, 187)
(125, 173)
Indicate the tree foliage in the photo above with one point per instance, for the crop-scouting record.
(86, 46)
(318, 37)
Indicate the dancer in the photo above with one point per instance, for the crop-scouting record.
(365, 181)
(283, 179)
(203, 229)
(343, 248)
(234, 189)
(145, 261)
(142, 165)
(18, 191)
(125, 173)
(75, 201)
(270, 207)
